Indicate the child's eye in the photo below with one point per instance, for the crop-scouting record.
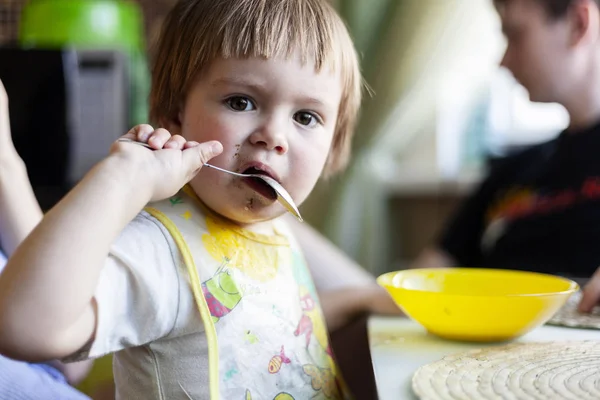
(306, 118)
(240, 103)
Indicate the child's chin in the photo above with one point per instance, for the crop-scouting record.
(253, 213)
(260, 215)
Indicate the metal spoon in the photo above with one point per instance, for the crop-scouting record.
(283, 197)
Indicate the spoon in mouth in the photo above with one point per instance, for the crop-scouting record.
(282, 196)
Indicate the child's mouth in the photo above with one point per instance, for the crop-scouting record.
(258, 185)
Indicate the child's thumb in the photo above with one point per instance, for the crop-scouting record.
(195, 157)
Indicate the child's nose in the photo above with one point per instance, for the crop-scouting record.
(271, 136)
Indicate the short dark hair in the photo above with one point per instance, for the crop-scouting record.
(554, 8)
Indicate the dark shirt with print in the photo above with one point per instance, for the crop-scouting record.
(538, 210)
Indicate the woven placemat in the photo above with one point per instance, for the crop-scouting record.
(544, 371)
(569, 316)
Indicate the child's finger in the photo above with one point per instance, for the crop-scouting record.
(158, 138)
(190, 144)
(139, 133)
(175, 142)
(143, 132)
(195, 157)
(591, 293)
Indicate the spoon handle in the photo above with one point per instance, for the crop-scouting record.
(126, 140)
(225, 170)
(285, 199)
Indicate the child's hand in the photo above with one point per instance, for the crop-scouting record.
(591, 293)
(172, 164)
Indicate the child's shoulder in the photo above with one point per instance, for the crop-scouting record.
(143, 236)
(144, 224)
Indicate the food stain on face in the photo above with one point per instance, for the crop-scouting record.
(249, 204)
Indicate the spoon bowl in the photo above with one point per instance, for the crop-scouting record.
(283, 196)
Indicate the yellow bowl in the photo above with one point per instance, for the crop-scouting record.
(483, 305)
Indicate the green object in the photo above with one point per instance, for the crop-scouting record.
(92, 24)
(100, 379)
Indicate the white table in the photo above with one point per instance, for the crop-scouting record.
(399, 346)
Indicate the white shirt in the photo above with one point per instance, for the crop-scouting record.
(147, 315)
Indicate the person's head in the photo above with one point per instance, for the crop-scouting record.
(553, 45)
(277, 82)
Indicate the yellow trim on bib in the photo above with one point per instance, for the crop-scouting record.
(209, 327)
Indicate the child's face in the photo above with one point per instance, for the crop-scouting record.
(275, 115)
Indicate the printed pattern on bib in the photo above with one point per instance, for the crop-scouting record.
(271, 337)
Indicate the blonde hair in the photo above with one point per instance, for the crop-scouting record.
(198, 31)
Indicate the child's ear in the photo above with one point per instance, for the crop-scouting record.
(173, 125)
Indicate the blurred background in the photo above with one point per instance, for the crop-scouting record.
(441, 112)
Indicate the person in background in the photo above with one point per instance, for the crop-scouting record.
(539, 210)
(19, 214)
